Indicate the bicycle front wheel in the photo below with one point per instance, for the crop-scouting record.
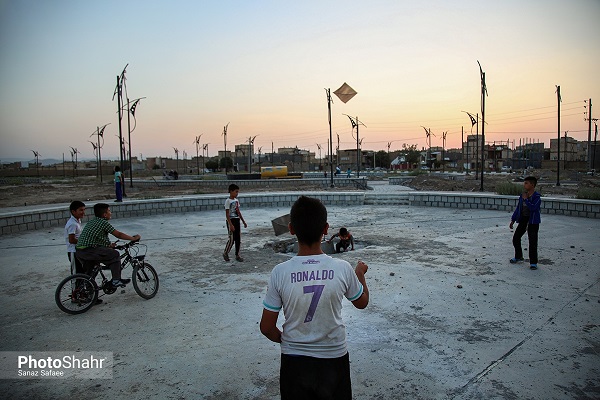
(145, 280)
(76, 294)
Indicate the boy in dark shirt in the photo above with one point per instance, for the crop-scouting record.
(527, 215)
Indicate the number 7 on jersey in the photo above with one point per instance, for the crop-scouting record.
(317, 290)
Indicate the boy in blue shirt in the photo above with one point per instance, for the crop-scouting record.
(527, 215)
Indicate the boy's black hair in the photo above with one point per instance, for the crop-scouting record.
(75, 205)
(100, 209)
(532, 180)
(117, 168)
(343, 231)
(308, 217)
(233, 187)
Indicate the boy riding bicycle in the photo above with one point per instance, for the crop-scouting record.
(93, 244)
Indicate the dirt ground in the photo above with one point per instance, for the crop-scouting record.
(87, 188)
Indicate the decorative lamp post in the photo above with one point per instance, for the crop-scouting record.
(197, 142)
(37, 162)
(99, 144)
(483, 96)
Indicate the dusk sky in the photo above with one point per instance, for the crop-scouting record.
(262, 67)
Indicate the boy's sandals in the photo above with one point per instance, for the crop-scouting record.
(516, 260)
(533, 266)
(225, 257)
(238, 258)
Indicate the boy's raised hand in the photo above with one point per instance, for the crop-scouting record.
(361, 267)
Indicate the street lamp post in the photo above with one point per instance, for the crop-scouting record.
(355, 124)
(329, 101)
(197, 142)
(74, 152)
(225, 145)
(100, 134)
(483, 96)
(250, 145)
(428, 135)
(37, 163)
(131, 110)
(320, 164)
(119, 93)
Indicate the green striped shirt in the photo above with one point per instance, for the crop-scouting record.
(95, 234)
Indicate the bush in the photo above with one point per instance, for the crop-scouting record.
(589, 193)
(417, 172)
(509, 189)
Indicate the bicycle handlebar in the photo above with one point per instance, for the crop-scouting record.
(126, 245)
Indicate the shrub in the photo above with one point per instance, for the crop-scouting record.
(416, 172)
(589, 193)
(510, 189)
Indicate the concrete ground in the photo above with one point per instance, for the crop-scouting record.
(449, 317)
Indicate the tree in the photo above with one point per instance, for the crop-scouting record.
(213, 165)
(411, 153)
(382, 159)
(226, 162)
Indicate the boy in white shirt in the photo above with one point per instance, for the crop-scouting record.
(233, 215)
(72, 231)
(309, 288)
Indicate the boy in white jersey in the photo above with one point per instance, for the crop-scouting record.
(310, 287)
(233, 215)
(72, 231)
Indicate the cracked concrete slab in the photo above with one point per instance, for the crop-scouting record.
(449, 317)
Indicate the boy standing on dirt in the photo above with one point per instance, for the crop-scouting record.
(527, 215)
(233, 216)
(310, 287)
(118, 184)
(72, 231)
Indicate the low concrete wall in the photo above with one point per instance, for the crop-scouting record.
(486, 201)
(19, 221)
(245, 184)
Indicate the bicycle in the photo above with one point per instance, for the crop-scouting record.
(77, 293)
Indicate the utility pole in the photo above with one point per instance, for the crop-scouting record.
(558, 138)
(595, 138)
(589, 152)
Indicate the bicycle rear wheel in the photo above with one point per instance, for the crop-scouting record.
(76, 294)
(145, 280)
